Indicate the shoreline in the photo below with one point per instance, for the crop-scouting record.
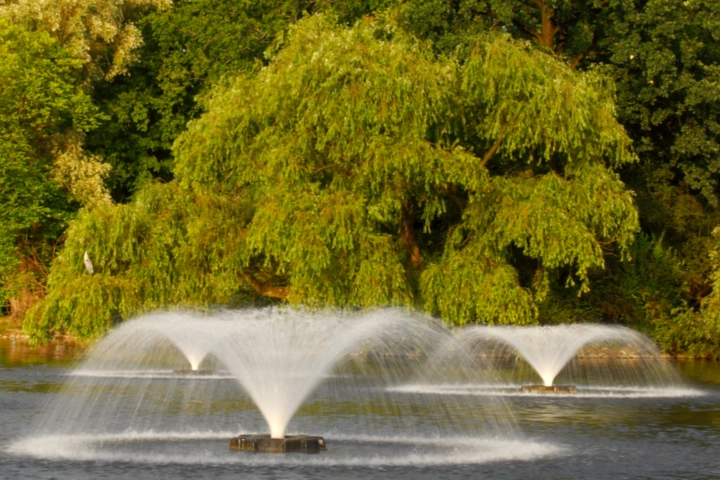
(600, 353)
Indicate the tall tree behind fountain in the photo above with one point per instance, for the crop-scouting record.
(359, 169)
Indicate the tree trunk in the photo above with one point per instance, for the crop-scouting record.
(21, 304)
(407, 235)
(266, 289)
(549, 30)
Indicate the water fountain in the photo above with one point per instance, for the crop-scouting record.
(191, 337)
(296, 373)
(280, 357)
(190, 333)
(550, 350)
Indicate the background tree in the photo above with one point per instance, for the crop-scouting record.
(44, 173)
(100, 33)
(663, 55)
(357, 169)
(186, 50)
(145, 88)
(53, 54)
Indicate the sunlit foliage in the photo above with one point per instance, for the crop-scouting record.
(664, 57)
(359, 169)
(100, 33)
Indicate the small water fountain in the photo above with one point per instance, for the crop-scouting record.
(550, 349)
(193, 338)
(190, 333)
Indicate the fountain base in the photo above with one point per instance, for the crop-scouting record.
(562, 389)
(289, 444)
(186, 372)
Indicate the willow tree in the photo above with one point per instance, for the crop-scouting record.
(663, 56)
(359, 169)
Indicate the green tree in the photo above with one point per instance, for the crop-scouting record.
(47, 76)
(663, 55)
(100, 33)
(186, 50)
(357, 169)
(697, 332)
(44, 174)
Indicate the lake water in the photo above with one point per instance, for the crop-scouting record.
(604, 435)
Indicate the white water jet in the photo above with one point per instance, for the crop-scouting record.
(194, 337)
(271, 360)
(134, 341)
(549, 349)
(280, 356)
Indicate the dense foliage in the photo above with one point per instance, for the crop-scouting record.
(44, 174)
(186, 50)
(418, 156)
(359, 169)
(664, 57)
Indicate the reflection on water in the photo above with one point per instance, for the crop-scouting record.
(18, 357)
(700, 371)
(15, 351)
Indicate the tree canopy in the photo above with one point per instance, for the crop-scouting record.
(185, 50)
(663, 56)
(512, 162)
(358, 168)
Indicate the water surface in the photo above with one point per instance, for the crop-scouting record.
(574, 437)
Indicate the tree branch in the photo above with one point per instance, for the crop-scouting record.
(704, 291)
(452, 192)
(320, 169)
(548, 30)
(589, 50)
(265, 289)
(491, 152)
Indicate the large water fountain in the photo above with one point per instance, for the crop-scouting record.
(283, 379)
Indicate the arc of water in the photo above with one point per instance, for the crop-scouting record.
(280, 357)
(195, 338)
(193, 335)
(548, 349)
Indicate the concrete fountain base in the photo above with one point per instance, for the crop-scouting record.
(562, 389)
(186, 372)
(289, 444)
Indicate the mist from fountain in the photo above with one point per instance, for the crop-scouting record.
(550, 349)
(145, 340)
(269, 361)
(194, 339)
(280, 356)
(387, 388)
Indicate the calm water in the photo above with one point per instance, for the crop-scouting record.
(590, 436)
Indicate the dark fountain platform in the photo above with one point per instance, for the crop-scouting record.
(186, 372)
(289, 444)
(562, 389)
